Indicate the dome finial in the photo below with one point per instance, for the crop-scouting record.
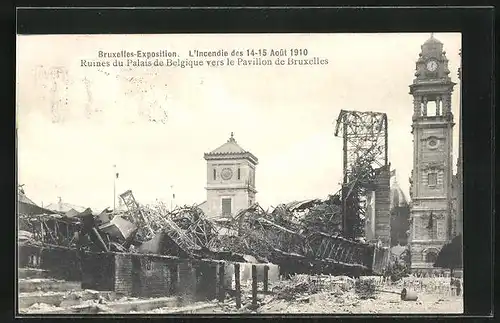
(432, 40)
(232, 137)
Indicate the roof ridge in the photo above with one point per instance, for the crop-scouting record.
(228, 148)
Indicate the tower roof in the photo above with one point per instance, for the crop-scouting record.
(230, 147)
(230, 150)
(432, 47)
(432, 40)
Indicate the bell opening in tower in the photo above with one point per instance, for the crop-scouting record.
(432, 109)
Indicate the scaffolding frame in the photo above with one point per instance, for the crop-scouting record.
(365, 147)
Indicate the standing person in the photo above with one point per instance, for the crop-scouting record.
(455, 286)
(458, 286)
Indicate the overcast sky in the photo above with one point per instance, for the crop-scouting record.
(284, 115)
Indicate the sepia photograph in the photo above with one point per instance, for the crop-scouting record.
(291, 173)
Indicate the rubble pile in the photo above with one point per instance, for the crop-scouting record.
(284, 231)
(301, 286)
(190, 219)
(325, 216)
(292, 235)
(53, 229)
(365, 288)
(225, 243)
(298, 284)
(263, 235)
(256, 234)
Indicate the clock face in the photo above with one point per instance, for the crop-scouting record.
(432, 65)
(226, 174)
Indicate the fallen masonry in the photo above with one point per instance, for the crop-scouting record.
(179, 256)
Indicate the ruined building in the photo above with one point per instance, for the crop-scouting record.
(366, 173)
(230, 179)
(431, 182)
(378, 216)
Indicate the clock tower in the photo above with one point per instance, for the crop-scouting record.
(230, 179)
(431, 180)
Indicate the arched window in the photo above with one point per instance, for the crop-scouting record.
(430, 257)
(215, 174)
(239, 173)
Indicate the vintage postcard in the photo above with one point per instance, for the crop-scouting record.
(239, 173)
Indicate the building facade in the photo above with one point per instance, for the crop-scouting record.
(432, 175)
(459, 177)
(230, 180)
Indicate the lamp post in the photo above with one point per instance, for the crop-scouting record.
(172, 198)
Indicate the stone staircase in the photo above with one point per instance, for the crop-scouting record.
(39, 293)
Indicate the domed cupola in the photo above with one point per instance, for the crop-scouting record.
(397, 198)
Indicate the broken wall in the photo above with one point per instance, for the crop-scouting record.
(154, 276)
(370, 216)
(98, 271)
(123, 277)
(141, 275)
(62, 263)
(382, 206)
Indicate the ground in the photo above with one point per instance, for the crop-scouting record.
(383, 304)
(302, 294)
(338, 295)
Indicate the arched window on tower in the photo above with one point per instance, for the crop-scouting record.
(215, 174)
(430, 257)
(239, 173)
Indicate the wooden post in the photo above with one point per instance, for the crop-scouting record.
(254, 285)
(222, 290)
(193, 279)
(237, 284)
(42, 230)
(266, 277)
(174, 278)
(55, 231)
